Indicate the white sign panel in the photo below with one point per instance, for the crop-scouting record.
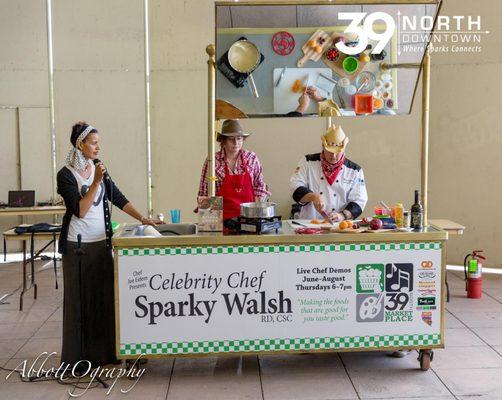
(278, 297)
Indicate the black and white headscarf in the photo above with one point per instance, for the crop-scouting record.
(75, 157)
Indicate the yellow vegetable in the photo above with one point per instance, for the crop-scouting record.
(296, 86)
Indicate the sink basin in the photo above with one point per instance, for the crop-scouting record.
(177, 229)
(164, 230)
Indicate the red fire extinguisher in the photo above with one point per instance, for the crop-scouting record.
(473, 274)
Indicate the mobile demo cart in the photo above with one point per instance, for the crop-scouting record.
(205, 294)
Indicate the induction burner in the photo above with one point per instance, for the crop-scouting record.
(254, 225)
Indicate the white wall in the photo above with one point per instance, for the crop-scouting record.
(99, 67)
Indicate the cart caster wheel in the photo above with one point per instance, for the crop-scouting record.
(131, 367)
(134, 365)
(425, 357)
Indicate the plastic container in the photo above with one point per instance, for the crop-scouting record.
(363, 103)
(406, 219)
(399, 215)
(377, 103)
(344, 82)
(350, 65)
(350, 90)
(386, 77)
(363, 57)
(175, 216)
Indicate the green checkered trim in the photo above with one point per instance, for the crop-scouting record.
(302, 248)
(259, 345)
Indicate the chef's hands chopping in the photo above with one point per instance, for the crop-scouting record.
(319, 203)
(314, 94)
(336, 216)
(320, 206)
(310, 93)
(316, 199)
(303, 103)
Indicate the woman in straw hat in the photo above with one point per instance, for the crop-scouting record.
(238, 171)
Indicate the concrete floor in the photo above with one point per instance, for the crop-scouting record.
(469, 368)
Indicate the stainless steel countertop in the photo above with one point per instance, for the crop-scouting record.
(286, 235)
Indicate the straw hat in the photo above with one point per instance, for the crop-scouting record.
(328, 108)
(231, 128)
(334, 140)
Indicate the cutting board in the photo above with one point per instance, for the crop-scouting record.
(307, 224)
(337, 68)
(382, 230)
(309, 53)
(285, 100)
(348, 230)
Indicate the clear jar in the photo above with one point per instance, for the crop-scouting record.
(406, 219)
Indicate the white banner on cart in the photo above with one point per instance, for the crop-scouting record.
(188, 295)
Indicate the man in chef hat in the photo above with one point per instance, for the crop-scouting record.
(328, 184)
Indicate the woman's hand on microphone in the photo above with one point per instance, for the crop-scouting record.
(99, 173)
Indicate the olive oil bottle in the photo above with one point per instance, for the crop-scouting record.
(417, 213)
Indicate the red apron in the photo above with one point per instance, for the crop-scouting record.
(235, 189)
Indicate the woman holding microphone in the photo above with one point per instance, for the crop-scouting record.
(85, 243)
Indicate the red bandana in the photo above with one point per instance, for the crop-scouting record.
(329, 170)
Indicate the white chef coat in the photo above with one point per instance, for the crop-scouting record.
(348, 191)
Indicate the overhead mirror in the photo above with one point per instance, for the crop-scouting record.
(277, 60)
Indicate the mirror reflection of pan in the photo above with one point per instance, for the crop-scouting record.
(244, 57)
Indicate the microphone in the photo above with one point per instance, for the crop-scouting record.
(97, 161)
(79, 251)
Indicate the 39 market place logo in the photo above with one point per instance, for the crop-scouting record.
(384, 292)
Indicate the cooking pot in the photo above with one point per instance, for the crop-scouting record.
(244, 57)
(258, 209)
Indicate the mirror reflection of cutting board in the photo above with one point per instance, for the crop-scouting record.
(285, 100)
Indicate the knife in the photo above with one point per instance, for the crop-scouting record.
(325, 216)
(280, 76)
(298, 223)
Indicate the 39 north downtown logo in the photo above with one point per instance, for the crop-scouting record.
(452, 34)
(411, 33)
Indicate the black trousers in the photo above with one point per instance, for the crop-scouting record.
(88, 308)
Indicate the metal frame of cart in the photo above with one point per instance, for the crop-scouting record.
(426, 354)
